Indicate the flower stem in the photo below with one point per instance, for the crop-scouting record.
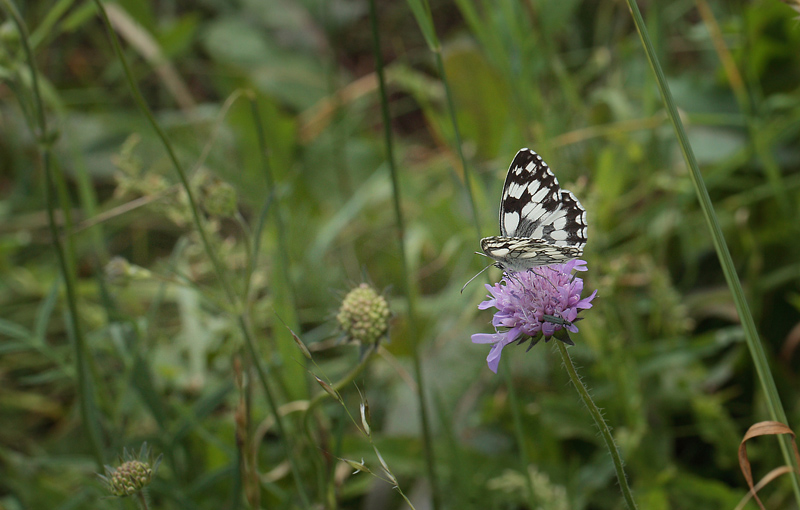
(322, 395)
(601, 424)
(249, 341)
(142, 500)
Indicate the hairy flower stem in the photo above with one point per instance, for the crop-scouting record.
(601, 424)
(142, 500)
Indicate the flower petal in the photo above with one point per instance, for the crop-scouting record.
(487, 304)
(586, 303)
(522, 301)
(493, 359)
(485, 338)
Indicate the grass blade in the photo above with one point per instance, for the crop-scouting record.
(773, 401)
(407, 287)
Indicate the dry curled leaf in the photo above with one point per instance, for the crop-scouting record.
(763, 428)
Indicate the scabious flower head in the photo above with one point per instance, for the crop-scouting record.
(364, 315)
(534, 304)
(132, 475)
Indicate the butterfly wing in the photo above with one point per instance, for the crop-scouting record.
(540, 224)
(522, 253)
(534, 205)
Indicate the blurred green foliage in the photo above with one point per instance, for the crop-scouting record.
(661, 349)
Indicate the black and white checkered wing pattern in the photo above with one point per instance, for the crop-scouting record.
(540, 224)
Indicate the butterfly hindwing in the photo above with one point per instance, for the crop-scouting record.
(540, 224)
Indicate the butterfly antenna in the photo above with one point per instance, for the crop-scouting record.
(477, 275)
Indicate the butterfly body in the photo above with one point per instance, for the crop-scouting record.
(540, 224)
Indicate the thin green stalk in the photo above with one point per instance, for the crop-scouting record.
(413, 330)
(422, 12)
(142, 499)
(519, 432)
(773, 400)
(218, 269)
(142, 104)
(601, 424)
(293, 376)
(273, 405)
(332, 389)
(85, 384)
(451, 109)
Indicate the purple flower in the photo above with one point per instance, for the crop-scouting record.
(534, 304)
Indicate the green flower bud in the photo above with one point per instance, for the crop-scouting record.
(133, 475)
(129, 478)
(364, 315)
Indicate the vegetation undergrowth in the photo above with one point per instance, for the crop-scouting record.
(233, 238)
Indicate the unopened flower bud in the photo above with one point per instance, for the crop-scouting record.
(133, 475)
(364, 315)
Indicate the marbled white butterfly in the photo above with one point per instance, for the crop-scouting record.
(540, 224)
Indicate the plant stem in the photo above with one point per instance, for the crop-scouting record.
(242, 317)
(336, 388)
(773, 400)
(145, 109)
(601, 424)
(293, 374)
(44, 139)
(142, 500)
(244, 326)
(413, 329)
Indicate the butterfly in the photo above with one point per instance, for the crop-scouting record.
(540, 224)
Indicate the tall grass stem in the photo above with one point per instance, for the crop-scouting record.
(413, 329)
(86, 385)
(218, 268)
(293, 375)
(338, 386)
(773, 400)
(142, 104)
(422, 12)
(273, 406)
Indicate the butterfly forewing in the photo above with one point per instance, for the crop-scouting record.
(540, 224)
